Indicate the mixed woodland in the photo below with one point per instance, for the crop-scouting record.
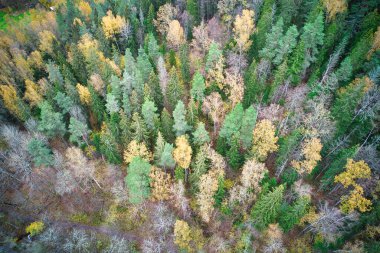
(190, 126)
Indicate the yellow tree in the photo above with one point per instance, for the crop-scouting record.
(35, 60)
(84, 94)
(46, 41)
(354, 170)
(311, 152)
(112, 25)
(175, 36)
(355, 200)
(12, 102)
(186, 238)
(160, 184)
(243, 28)
(182, 152)
(136, 149)
(32, 93)
(85, 9)
(35, 228)
(334, 7)
(264, 140)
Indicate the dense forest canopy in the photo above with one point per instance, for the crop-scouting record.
(190, 126)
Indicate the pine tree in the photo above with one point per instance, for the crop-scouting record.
(263, 25)
(40, 153)
(180, 126)
(348, 98)
(198, 87)
(286, 45)
(235, 158)
(137, 180)
(143, 65)
(267, 208)
(272, 41)
(291, 215)
(78, 131)
(337, 166)
(149, 19)
(149, 112)
(167, 125)
(166, 160)
(200, 135)
(312, 38)
(64, 102)
(51, 122)
(138, 129)
(232, 123)
(175, 91)
(248, 123)
(192, 8)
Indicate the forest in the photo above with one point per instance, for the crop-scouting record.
(187, 126)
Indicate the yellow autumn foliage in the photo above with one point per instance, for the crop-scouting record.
(46, 41)
(175, 36)
(264, 139)
(243, 28)
(355, 200)
(311, 152)
(182, 152)
(334, 7)
(35, 228)
(354, 170)
(136, 149)
(85, 8)
(11, 100)
(186, 238)
(160, 184)
(32, 93)
(84, 94)
(112, 25)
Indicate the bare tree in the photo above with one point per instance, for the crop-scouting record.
(331, 222)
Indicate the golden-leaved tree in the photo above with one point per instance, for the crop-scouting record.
(32, 93)
(112, 25)
(84, 94)
(355, 200)
(182, 152)
(243, 28)
(311, 149)
(137, 149)
(334, 7)
(264, 140)
(175, 36)
(47, 39)
(160, 184)
(12, 102)
(187, 238)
